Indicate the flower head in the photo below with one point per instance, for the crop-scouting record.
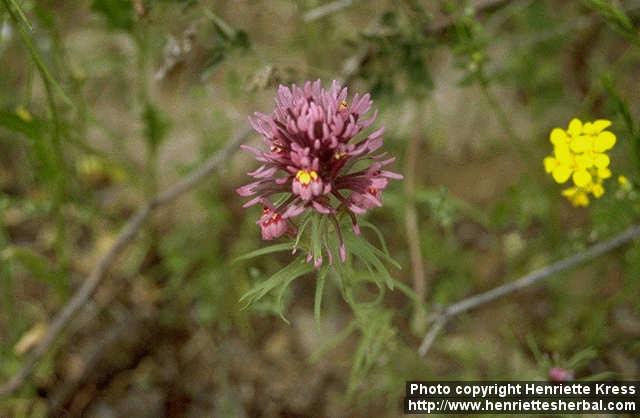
(580, 154)
(313, 140)
(559, 374)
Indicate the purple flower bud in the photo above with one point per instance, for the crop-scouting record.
(558, 374)
(272, 224)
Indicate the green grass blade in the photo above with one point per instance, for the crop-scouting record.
(377, 231)
(317, 302)
(262, 251)
(21, 14)
(36, 56)
(293, 270)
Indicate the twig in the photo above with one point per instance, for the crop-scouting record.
(126, 236)
(534, 277)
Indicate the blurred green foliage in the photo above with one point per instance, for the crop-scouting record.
(105, 102)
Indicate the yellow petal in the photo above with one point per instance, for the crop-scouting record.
(575, 127)
(584, 161)
(558, 136)
(569, 192)
(549, 164)
(597, 190)
(605, 141)
(604, 173)
(561, 173)
(588, 128)
(581, 199)
(600, 125)
(562, 153)
(601, 160)
(580, 143)
(581, 178)
(624, 183)
(23, 114)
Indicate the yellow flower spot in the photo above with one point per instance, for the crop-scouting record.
(624, 183)
(306, 176)
(576, 196)
(23, 114)
(343, 105)
(597, 190)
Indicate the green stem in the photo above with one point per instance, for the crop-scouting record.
(59, 183)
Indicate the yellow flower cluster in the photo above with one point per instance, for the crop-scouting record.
(579, 154)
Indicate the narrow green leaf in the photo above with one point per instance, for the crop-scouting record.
(317, 303)
(382, 255)
(368, 253)
(262, 251)
(156, 125)
(616, 17)
(408, 292)
(293, 270)
(301, 229)
(377, 231)
(280, 296)
(22, 15)
(316, 237)
(360, 278)
(37, 58)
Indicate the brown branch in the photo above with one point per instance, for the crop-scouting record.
(629, 235)
(97, 275)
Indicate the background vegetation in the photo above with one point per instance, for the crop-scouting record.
(105, 103)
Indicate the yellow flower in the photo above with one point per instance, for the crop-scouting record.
(23, 114)
(577, 196)
(624, 183)
(580, 154)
